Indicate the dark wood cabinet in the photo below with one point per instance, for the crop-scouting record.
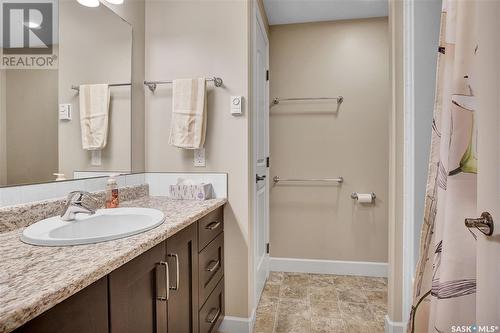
(137, 294)
(212, 312)
(84, 312)
(211, 262)
(209, 227)
(175, 287)
(182, 255)
(211, 271)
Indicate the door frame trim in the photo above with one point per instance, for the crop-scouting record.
(401, 155)
(256, 21)
(409, 159)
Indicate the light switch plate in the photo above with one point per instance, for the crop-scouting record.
(65, 111)
(236, 105)
(199, 157)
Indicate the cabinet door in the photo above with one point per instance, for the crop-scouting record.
(182, 252)
(84, 312)
(138, 295)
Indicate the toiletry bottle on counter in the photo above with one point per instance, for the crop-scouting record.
(112, 200)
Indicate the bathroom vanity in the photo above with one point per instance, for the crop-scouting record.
(169, 279)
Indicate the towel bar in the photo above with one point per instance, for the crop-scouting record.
(277, 100)
(109, 85)
(153, 84)
(339, 180)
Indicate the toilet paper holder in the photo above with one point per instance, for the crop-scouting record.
(354, 195)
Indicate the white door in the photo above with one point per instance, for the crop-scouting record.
(261, 153)
(488, 144)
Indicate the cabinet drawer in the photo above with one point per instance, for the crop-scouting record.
(211, 267)
(212, 313)
(209, 227)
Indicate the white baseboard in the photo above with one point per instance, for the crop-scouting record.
(361, 268)
(237, 324)
(394, 326)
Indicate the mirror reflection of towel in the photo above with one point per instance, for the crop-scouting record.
(94, 115)
(189, 115)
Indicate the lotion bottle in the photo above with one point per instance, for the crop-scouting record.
(112, 194)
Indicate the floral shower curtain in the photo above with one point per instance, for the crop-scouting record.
(445, 285)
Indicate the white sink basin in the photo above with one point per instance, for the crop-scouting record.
(104, 225)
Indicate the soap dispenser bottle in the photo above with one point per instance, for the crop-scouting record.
(112, 195)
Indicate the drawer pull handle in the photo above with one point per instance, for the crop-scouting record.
(213, 318)
(212, 226)
(167, 282)
(214, 264)
(176, 256)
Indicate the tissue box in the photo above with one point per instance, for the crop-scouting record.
(191, 192)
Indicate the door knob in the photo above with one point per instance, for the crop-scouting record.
(259, 178)
(484, 223)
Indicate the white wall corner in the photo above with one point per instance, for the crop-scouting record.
(238, 324)
(409, 156)
(394, 326)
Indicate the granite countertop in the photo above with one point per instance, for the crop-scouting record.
(34, 278)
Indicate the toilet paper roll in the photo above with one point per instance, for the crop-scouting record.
(365, 197)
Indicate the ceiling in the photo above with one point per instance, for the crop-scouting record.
(301, 11)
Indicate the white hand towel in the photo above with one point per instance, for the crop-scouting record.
(94, 115)
(189, 118)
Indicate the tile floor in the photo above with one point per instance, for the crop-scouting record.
(316, 303)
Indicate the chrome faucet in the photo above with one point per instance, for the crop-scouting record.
(74, 205)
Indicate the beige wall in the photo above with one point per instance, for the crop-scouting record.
(313, 140)
(205, 38)
(94, 53)
(31, 133)
(396, 163)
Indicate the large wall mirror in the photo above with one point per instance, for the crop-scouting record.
(92, 46)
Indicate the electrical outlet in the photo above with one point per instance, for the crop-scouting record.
(199, 157)
(95, 158)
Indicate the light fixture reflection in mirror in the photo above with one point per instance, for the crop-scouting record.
(35, 19)
(89, 3)
(115, 2)
(32, 25)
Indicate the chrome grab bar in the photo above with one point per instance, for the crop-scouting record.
(277, 100)
(277, 179)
